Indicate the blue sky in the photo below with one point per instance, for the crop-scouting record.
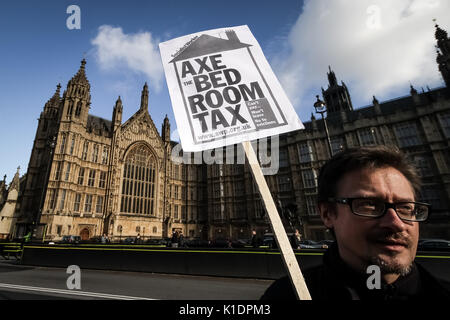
(376, 46)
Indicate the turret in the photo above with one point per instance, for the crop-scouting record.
(117, 114)
(415, 95)
(3, 190)
(443, 54)
(376, 105)
(337, 97)
(77, 97)
(144, 98)
(166, 130)
(15, 183)
(49, 118)
(14, 187)
(51, 108)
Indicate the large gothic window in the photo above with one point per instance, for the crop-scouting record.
(138, 183)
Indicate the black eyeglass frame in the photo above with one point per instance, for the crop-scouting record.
(387, 205)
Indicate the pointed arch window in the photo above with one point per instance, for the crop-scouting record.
(85, 150)
(70, 109)
(138, 182)
(62, 148)
(78, 109)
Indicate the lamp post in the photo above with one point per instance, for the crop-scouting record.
(321, 108)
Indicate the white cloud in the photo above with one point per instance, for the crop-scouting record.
(375, 46)
(137, 52)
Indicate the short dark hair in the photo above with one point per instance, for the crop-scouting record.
(360, 158)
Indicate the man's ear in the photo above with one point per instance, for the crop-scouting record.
(327, 214)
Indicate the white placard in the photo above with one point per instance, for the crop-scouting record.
(223, 90)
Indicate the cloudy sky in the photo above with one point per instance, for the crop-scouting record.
(377, 47)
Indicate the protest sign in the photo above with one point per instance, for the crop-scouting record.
(223, 90)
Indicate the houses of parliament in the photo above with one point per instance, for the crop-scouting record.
(90, 176)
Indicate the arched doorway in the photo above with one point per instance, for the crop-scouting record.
(204, 233)
(84, 234)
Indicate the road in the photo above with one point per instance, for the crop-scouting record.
(27, 282)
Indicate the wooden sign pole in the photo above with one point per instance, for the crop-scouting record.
(287, 253)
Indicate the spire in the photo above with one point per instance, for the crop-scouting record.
(53, 102)
(375, 101)
(443, 54)
(413, 90)
(119, 102)
(117, 113)
(2, 190)
(441, 35)
(77, 98)
(376, 105)
(2, 186)
(415, 95)
(144, 98)
(80, 77)
(56, 95)
(16, 181)
(118, 108)
(166, 130)
(337, 97)
(332, 78)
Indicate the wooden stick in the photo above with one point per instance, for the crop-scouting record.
(291, 264)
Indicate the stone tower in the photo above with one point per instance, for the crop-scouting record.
(41, 157)
(336, 96)
(443, 58)
(77, 98)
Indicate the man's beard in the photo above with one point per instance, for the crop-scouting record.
(389, 265)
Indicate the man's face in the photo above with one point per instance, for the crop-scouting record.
(387, 241)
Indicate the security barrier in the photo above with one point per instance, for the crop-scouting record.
(242, 263)
(8, 249)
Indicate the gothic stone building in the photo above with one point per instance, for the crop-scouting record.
(88, 176)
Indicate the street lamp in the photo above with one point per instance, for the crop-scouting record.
(321, 108)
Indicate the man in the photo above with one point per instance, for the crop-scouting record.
(174, 239)
(254, 240)
(181, 241)
(296, 240)
(367, 199)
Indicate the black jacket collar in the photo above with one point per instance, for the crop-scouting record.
(353, 284)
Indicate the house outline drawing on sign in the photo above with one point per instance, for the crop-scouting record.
(206, 45)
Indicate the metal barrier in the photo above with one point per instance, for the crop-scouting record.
(11, 248)
(243, 263)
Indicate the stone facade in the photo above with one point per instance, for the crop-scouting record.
(88, 176)
(9, 205)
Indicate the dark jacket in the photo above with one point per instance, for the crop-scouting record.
(334, 280)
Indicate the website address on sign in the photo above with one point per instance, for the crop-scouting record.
(222, 133)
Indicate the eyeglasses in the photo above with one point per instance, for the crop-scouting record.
(376, 208)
